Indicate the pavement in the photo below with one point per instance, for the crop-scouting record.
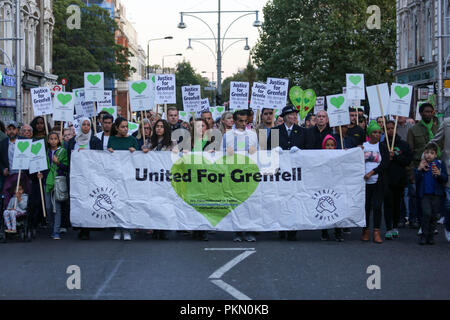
(185, 269)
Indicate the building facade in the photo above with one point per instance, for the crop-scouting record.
(36, 32)
(417, 45)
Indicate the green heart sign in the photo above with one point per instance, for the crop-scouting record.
(355, 79)
(139, 87)
(94, 78)
(109, 110)
(23, 145)
(132, 126)
(214, 200)
(401, 91)
(337, 101)
(64, 98)
(220, 109)
(35, 148)
(183, 113)
(154, 79)
(304, 101)
(211, 109)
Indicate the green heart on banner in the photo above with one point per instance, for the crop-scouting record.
(220, 109)
(216, 200)
(132, 126)
(139, 87)
(337, 101)
(35, 148)
(23, 145)
(211, 109)
(64, 98)
(355, 79)
(183, 113)
(401, 91)
(154, 79)
(109, 110)
(94, 78)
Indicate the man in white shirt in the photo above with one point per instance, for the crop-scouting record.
(240, 139)
(107, 122)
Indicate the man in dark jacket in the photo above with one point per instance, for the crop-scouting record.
(314, 136)
(291, 136)
(354, 130)
(397, 179)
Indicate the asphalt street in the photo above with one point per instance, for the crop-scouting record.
(182, 268)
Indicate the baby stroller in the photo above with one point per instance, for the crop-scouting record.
(23, 224)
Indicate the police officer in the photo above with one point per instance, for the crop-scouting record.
(291, 137)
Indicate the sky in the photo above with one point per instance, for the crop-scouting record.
(158, 19)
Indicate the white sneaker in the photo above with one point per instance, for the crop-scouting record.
(441, 220)
(447, 234)
(419, 233)
(117, 235)
(126, 235)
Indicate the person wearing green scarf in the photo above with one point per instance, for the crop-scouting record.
(418, 137)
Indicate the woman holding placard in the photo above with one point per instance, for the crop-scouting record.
(120, 140)
(84, 140)
(58, 166)
(148, 133)
(376, 157)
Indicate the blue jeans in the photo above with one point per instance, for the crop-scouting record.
(53, 214)
(447, 209)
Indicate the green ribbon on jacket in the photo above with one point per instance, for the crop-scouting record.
(61, 154)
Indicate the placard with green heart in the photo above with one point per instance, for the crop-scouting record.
(355, 79)
(139, 87)
(220, 109)
(23, 146)
(132, 126)
(214, 200)
(64, 98)
(35, 148)
(401, 91)
(337, 102)
(296, 95)
(94, 78)
(109, 110)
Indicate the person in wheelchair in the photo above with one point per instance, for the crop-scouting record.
(17, 207)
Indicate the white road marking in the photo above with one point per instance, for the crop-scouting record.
(231, 290)
(112, 274)
(221, 271)
(229, 249)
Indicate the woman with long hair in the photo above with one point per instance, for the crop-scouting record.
(226, 122)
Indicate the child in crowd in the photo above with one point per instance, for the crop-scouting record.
(10, 215)
(329, 143)
(431, 177)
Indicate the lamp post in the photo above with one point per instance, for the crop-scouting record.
(169, 55)
(148, 51)
(219, 38)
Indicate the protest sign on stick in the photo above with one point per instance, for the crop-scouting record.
(39, 163)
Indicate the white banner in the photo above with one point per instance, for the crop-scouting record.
(355, 86)
(22, 154)
(314, 189)
(63, 105)
(94, 86)
(106, 102)
(258, 96)
(38, 160)
(401, 95)
(142, 95)
(374, 100)
(191, 98)
(338, 113)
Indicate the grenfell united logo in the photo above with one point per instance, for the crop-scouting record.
(103, 202)
(326, 204)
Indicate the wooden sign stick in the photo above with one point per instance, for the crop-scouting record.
(42, 197)
(17, 188)
(143, 130)
(384, 120)
(95, 118)
(395, 132)
(342, 140)
(45, 123)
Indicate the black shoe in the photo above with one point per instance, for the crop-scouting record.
(163, 235)
(339, 237)
(422, 241)
(83, 235)
(282, 234)
(325, 236)
(202, 235)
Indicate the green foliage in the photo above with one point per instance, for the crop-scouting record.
(315, 43)
(91, 48)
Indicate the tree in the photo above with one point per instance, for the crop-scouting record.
(90, 48)
(315, 43)
(186, 76)
(249, 74)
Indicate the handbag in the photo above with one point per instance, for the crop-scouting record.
(61, 189)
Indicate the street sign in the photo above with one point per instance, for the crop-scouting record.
(64, 81)
(209, 88)
(56, 88)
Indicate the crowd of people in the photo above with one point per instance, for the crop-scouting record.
(405, 174)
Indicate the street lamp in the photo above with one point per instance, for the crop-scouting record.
(148, 52)
(170, 55)
(219, 39)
